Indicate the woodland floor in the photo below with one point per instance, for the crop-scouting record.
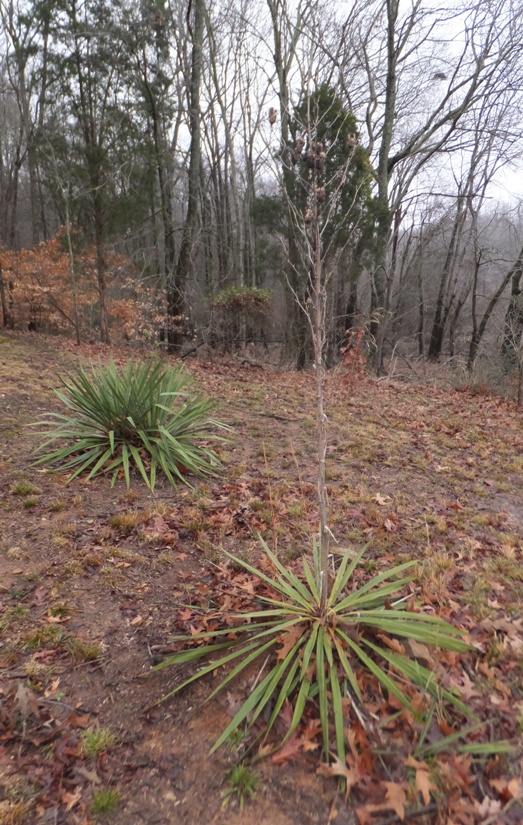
(92, 580)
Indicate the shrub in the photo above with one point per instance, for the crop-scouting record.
(247, 298)
(141, 415)
(240, 312)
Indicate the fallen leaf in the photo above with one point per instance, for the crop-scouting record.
(91, 776)
(424, 785)
(46, 655)
(288, 751)
(489, 807)
(26, 701)
(77, 721)
(466, 687)
(338, 768)
(419, 652)
(393, 644)
(382, 500)
(364, 816)
(40, 595)
(310, 745)
(410, 762)
(71, 799)
(288, 640)
(310, 731)
(440, 468)
(396, 798)
(390, 525)
(507, 789)
(159, 525)
(53, 687)
(445, 728)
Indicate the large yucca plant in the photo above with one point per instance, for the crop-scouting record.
(323, 650)
(141, 415)
(321, 633)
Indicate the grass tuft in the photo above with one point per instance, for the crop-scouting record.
(242, 782)
(95, 741)
(16, 813)
(83, 651)
(104, 802)
(128, 521)
(25, 488)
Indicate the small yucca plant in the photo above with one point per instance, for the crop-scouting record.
(323, 649)
(141, 415)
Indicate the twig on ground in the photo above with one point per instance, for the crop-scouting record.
(409, 814)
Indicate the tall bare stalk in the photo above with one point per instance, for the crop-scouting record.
(313, 208)
(318, 338)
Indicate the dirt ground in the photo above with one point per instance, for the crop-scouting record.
(93, 579)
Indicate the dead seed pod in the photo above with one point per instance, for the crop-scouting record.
(321, 194)
(296, 153)
(315, 159)
(273, 114)
(310, 159)
(308, 216)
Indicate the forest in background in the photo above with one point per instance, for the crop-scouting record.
(163, 165)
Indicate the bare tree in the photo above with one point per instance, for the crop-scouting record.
(415, 84)
(287, 28)
(513, 326)
(26, 30)
(491, 147)
(88, 74)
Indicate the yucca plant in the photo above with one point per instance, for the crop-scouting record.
(323, 650)
(141, 415)
(321, 633)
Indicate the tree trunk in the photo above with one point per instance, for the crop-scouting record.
(513, 326)
(381, 277)
(479, 331)
(233, 202)
(166, 212)
(297, 336)
(72, 267)
(442, 309)
(101, 269)
(6, 316)
(176, 298)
